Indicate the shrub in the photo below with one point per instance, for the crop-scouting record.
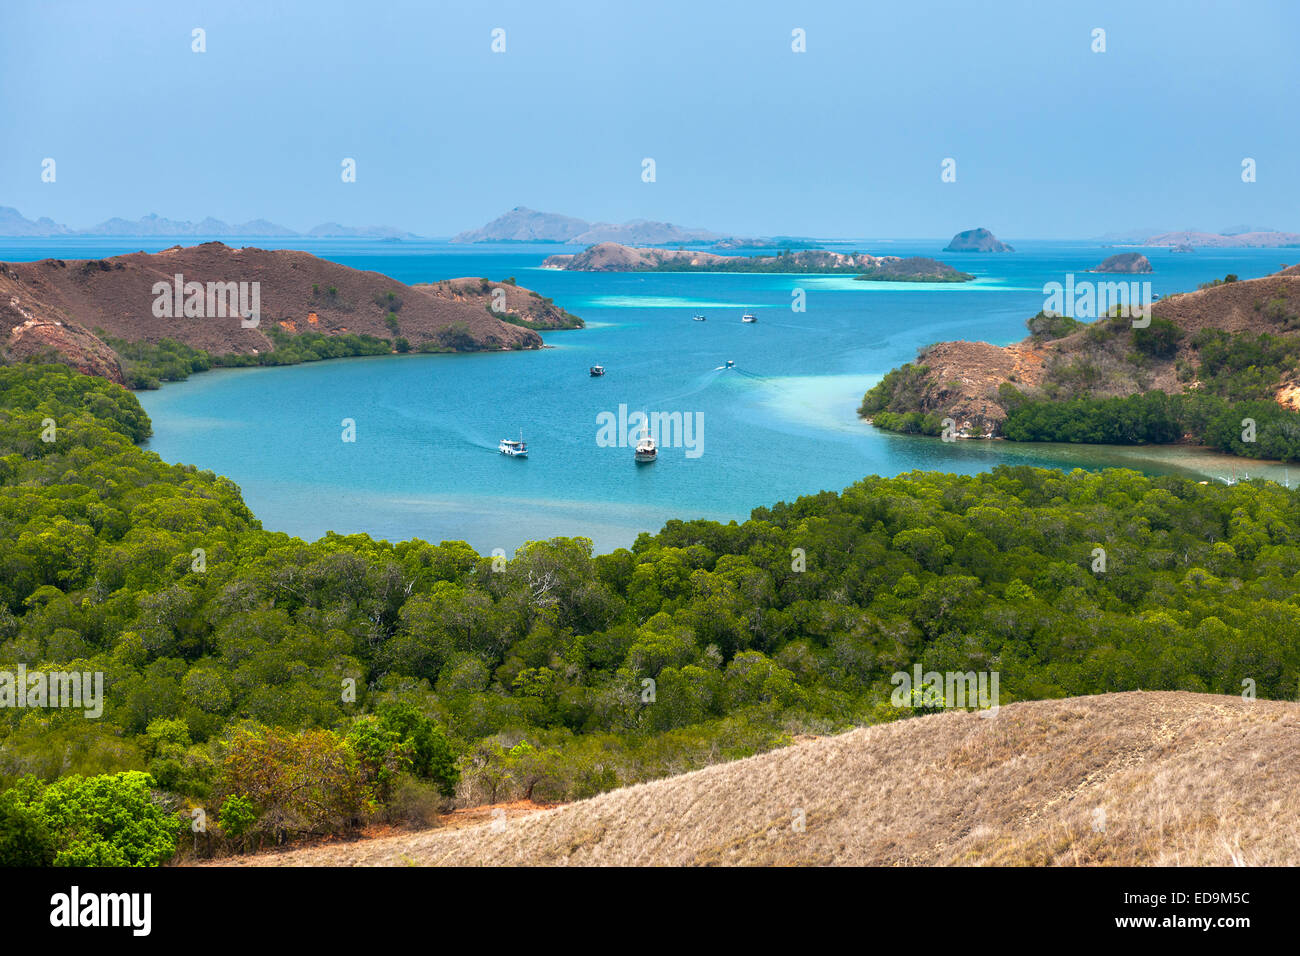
(303, 783)
(1045, 327)
(25, 839)
(1159, 339)
(106, 820)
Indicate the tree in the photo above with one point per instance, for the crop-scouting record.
(301, 783)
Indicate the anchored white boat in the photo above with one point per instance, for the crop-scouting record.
(597, 371)
(513, 449)
(699, 318)
(646, 451)
(749, 317)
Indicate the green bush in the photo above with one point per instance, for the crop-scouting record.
(107, 820)
(1159, 339)
(25, 839)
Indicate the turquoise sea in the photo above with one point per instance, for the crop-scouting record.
(781, 423)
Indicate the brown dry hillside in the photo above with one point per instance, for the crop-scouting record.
(962, 379)
(1181, 778)
(57, 304)
(521, 305)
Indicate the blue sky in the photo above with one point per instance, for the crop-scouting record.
(1051, 139)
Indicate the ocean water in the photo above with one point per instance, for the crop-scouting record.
(779, 424)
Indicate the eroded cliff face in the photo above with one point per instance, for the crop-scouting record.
(963, 378)
(34, 336)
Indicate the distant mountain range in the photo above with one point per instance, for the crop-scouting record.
(522, 224)
(14, 225)
(1212, 240)
(1236, 237)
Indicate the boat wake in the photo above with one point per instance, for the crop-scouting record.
(697, 385)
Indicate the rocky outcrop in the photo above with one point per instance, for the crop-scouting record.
(51, 340)
(510, 302)
(1126, 262)
(977, 240)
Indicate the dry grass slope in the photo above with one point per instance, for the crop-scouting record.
(1183, 779)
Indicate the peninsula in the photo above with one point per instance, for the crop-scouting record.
(1193, 371)
(139, 318)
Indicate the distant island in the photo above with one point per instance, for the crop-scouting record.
(130, 320)
(14, 225)
(776, 242)
(1126, 262)
(522, 224)
(977, 240)
(614, 257)
(1214, 240)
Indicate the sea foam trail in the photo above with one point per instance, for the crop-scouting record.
(698, 384)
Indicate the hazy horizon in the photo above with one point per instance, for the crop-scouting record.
(1113, 235)
(846, 140)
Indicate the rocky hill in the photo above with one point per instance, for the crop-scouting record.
(57, 304)
(521, 306)
(1065, 358)
(1125, 262)
(1131, 779)
(522, 224)
(977, 240)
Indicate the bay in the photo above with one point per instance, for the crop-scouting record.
(779, 424)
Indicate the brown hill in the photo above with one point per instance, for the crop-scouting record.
(521, 305)
(1127, 262)
(961, 379)
(1117, 779)
(615, 257)
(57, 304)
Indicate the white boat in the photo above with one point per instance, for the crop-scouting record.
(513, 449)
(646, 451)
(597, 371)
(730, 364)
(699, 318)
(749, 317)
